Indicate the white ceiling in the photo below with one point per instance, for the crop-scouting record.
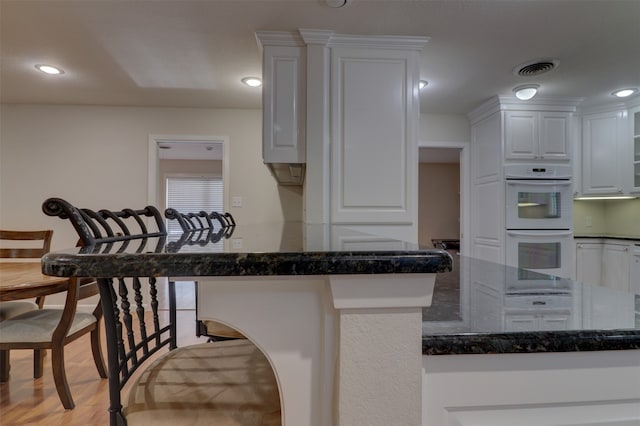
(188, 53)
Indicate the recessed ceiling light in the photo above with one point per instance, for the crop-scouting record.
(526, 92)
(252, 81)
(625, 92)
(422, 84)
(48, 69)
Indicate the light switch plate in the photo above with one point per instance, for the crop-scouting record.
(236, 201)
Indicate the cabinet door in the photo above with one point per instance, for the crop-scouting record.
(521, 322)
(521, 135)
(602, 171)
(284, 101)
(635, 141)
(588, 263)
(554, 322)
(555, 140)
(373, 136)
(616, 266)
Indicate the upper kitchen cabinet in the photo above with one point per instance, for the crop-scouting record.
(604, 153)
(284, 97)
(634, 113)
(346, 108)
(537, 135)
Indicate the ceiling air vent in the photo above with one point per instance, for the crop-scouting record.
(534, 68)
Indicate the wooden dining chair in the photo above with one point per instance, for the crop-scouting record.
(43, 328)
(23, 245)
(228, 383)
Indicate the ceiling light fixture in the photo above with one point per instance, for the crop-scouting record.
(48, 69)
(422, 84)
(252, 81)
(526, 92)
(624, 93)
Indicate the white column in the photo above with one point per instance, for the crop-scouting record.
(316, 195)
(379, 380)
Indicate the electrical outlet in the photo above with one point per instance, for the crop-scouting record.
(236, 243)
(236, 201)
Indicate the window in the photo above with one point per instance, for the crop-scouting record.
(193, 194)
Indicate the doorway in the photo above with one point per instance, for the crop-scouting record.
(442, 193)
(184, 151)
(180, 156)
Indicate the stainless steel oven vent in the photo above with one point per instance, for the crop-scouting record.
(534, 68)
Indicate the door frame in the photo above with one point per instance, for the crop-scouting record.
(464, 187)
(154, 162)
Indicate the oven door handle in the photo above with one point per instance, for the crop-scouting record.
(534, 183)
(540, 233)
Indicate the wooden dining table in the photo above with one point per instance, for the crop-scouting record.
(25, 280)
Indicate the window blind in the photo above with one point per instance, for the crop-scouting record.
(191, 195)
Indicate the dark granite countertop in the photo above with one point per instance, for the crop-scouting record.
(484, 308)
(252, 250)
(607, 237)
(478, 308)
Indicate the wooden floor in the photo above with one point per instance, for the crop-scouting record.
(25, 401)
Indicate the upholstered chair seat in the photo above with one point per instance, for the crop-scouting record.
(17, 307)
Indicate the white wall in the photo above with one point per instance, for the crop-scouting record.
(444, 128)
(96, 157)
(607, 217)
(438, 202)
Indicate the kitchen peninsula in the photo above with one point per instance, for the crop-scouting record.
(340, 314)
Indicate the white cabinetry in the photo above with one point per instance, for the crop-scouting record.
(606, 262)
(536, 321)
(603, 153)
(634, 114)
(353, 147)
(283, 97)
(505, 130)
(532, 135)
(589, 263)
(374, 133)
(616, 266)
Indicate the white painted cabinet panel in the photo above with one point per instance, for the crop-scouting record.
(555, 136)
(374, 144)
(589, 263)
(536, 321)
(634, 115)
(616, 266)
(284, 104)
(531, 135)
(521, 135)
(602, 153)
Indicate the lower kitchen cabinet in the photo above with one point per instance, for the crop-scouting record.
(606, 262)
(616, 262)
(589, 263)
(536, 321)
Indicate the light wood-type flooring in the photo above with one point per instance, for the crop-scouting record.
(25, 401)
